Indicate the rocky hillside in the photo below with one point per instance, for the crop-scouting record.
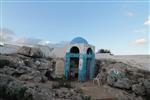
(25, 75)
(124, 81)
(139, 61)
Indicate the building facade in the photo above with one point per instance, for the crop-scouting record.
(80, 60)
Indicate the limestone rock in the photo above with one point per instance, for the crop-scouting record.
(123, 83)
(30, 51)
(8, 70)
(138, 89)
(147, 83)
(24, 51)
(147, 87)
(36, 52)
(33, 76)
(4, 61)
(130, 83)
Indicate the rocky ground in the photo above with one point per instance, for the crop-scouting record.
(124, 81)
(26, 75)
(138, 61)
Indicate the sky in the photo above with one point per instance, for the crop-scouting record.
(120, 26)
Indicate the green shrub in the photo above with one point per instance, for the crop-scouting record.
(104, 51)
(86, 97)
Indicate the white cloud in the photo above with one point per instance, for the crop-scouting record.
(6, 35)
(130, 14)
(141, 30)
(20, 41)
(147, 22)
(44, 42)
(140, 41)
(26, 41)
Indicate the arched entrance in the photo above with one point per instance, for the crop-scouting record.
(74, 62)
(88, 63)
(79, 61)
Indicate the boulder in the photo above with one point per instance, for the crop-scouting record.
(4, 61)
(12, 89)
(36, 52)
(23, 70)
(123, 83)
(8, 70)
(39, 93)
(37, 63)
(24, 50)
(17, 72)
(33, 76)
(44, 66)
(127, 82)
(138, 89)
(111, 80)
(26, 77)
(147, 83)
(147, 87)
(116, 78)
(29, 62)
(30, 51)
(5, 79)
(11, 61)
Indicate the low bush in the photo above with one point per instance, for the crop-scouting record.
(86, 97)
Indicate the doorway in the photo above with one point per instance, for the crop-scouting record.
(74, 63)
(88, 63)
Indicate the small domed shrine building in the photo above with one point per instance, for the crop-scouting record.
(80, 60)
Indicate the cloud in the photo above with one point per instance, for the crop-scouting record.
(130, 14)
(61, 44)
(42, 42)
(9, 36)
(147, 22)
(140, 41)
(141, 30)
(27, 41)
(21, 40)
(6, 35)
